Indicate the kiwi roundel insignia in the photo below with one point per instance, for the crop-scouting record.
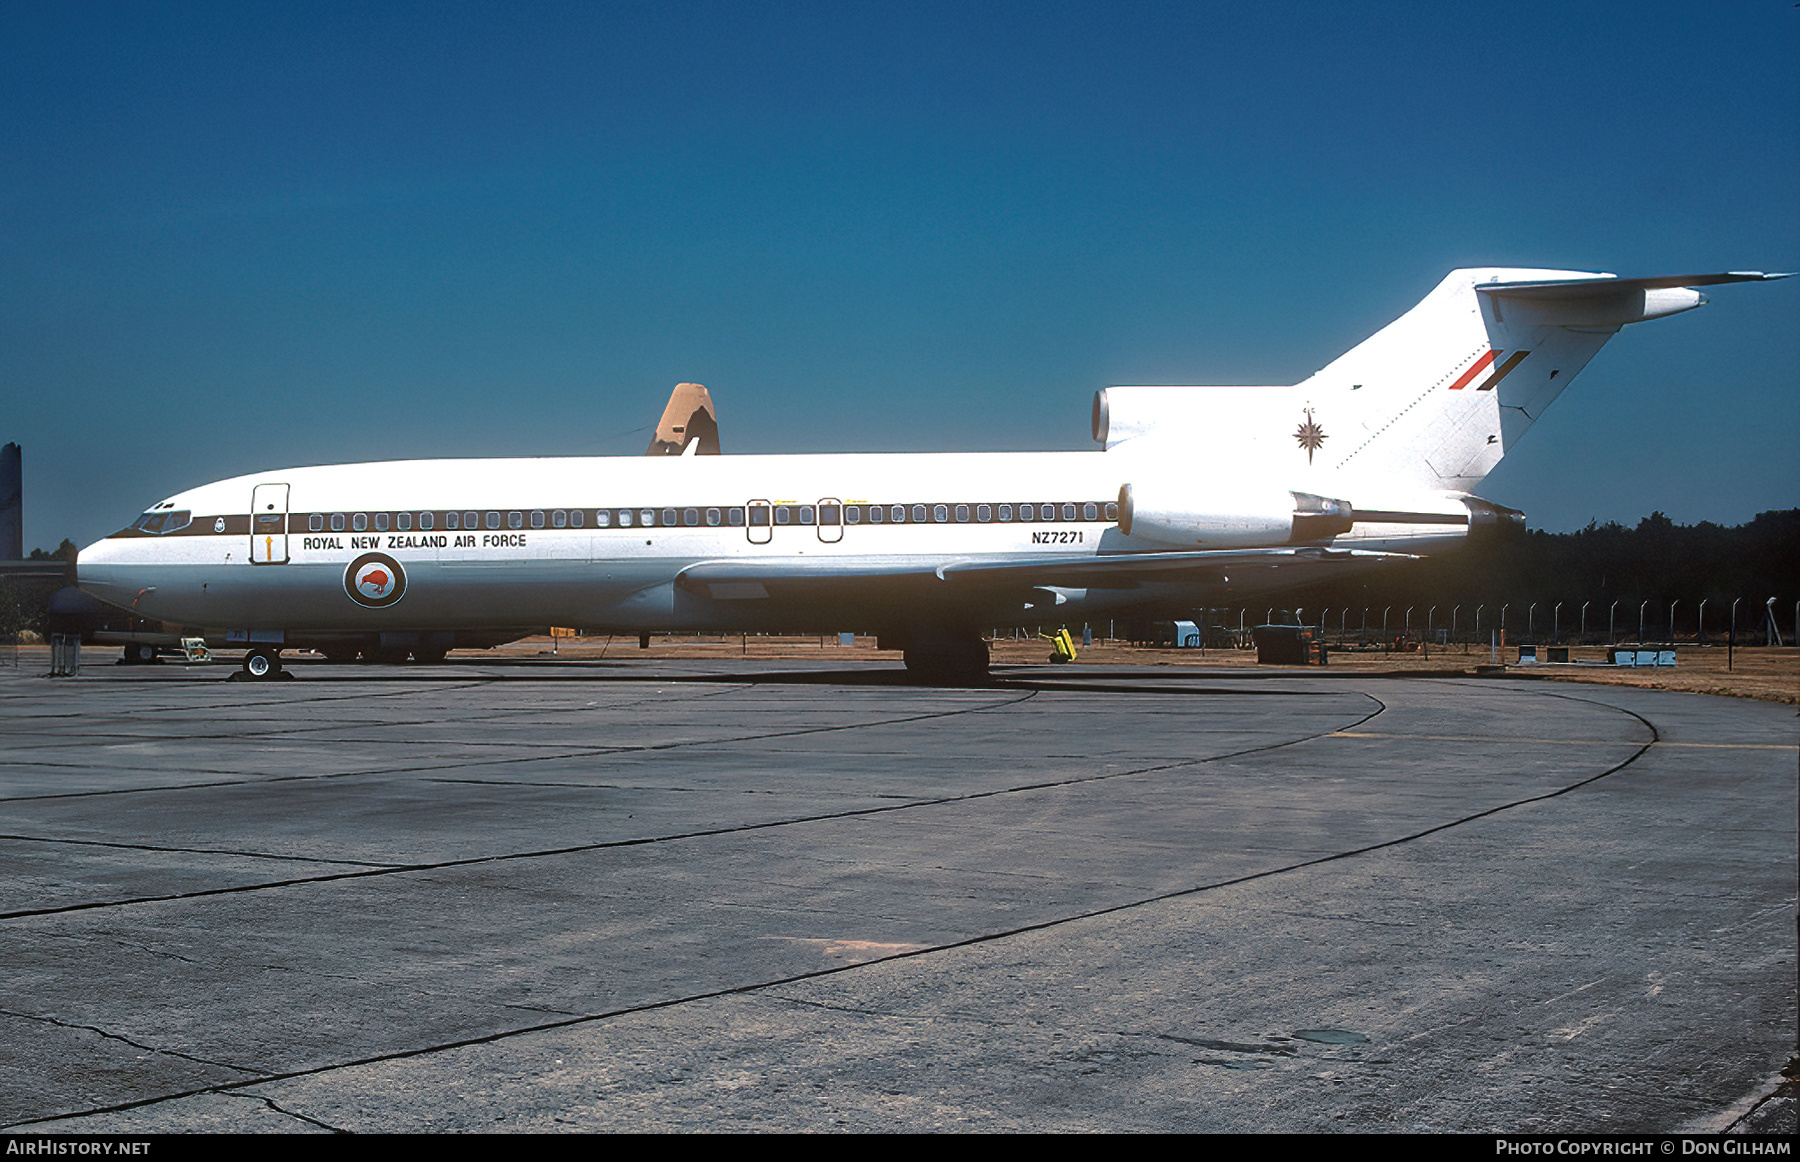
(375, 580)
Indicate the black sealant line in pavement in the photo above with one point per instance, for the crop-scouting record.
(577, 753)
(392, 868)
(985, 938)
(463, 683)
(1063, 687)
(91, 737)
(907, 805)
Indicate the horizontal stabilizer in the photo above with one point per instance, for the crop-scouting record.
(1574, 288)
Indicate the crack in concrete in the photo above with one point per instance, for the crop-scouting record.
(192, 850)
(134, 1044)
(270, 1102)
(1221, 1046)
(145, 948)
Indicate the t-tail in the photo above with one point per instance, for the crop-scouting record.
(1438, 396)
(1435, 398)
(1404, 426)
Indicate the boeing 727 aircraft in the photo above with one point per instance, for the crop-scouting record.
(1376, 456)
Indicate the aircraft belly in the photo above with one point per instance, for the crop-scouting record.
(436, 595)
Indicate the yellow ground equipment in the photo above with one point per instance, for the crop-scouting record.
(1063, 645)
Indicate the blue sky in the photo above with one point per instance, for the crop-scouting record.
(241, 236)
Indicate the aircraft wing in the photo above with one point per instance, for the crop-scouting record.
(754, 577)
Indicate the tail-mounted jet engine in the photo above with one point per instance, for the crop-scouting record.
(1254, 517)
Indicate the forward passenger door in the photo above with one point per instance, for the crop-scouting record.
(268, 524)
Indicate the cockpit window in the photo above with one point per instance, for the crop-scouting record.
(164, 522)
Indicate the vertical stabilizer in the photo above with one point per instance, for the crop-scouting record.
(1438, 396)
(12, 504)
(688, 426)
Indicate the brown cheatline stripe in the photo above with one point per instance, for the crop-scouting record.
(1503, 370)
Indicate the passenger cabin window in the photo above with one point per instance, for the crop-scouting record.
(940, 514)
(603, 518)
(337, 522)
(1006, 512)
(360, 521)
(493, 520)
(962, 513)
(852, 514)
(1068, 512)
(471, 520)
(874, 514)
(577, 516)
(403, 521)
(515, 520)
(897, 514)
(983, 513)
(690, 517)
(1026, 512)
(537, 518)
(453, 520)
(918, 514)
(425, 520)
(712, 516)
(646, 517)
(806, 514)
(624, 518)
(734, 517)
(381, 522)
(559, 519)
(315, 523)
(1112, 512)
(784, 515)
(1090, 511)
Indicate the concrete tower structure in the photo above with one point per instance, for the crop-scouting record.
(12, 504)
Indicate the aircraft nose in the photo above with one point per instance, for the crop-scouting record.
(99, 570)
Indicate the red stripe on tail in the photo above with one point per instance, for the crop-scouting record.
(1481, 365)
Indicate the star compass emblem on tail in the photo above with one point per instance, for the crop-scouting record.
(1310, 435)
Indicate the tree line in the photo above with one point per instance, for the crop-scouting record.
(1658, 561)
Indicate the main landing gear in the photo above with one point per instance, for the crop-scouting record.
(262, 664)
(948, 661)
(139, 654)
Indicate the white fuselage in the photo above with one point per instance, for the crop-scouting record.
(601, 543)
